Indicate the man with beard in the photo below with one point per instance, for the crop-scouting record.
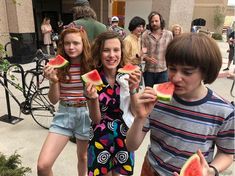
(154, 44)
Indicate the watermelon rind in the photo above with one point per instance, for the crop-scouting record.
(188, 163)
(63, 61)
(166, 98)
(128, 70)
(86, 78)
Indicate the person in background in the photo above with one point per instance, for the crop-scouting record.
(231, 43)
(132, 42)
(46, 32)
(82, 3)
(110, 107)
(228, 32)
(114, 27)
(176, 30)
(84, 16)
(72, 117)
(194, 121)
(154, 44)
(60, 24)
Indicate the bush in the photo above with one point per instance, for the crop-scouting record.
(11, 166)
(217, 36)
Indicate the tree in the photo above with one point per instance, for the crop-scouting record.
(219, 17)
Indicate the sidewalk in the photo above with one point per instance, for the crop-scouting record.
(26, 137)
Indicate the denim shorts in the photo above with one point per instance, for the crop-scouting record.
(72, 121)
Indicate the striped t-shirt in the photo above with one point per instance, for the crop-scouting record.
(179, 129)
(73, 90)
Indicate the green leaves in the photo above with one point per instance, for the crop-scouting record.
(4, 65)
(12, 166)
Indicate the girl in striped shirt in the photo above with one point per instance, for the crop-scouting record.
(72, 117)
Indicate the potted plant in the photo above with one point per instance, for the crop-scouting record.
(12, 166)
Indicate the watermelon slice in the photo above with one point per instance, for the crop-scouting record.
(128, 68)
(58, 62)
(192, 167)
(92, 77)
(164, 91)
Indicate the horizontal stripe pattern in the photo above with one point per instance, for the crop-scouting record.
(73, 90)
(179, 129)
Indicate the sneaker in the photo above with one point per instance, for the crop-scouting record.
(226, 69)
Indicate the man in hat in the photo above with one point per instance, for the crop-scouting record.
(114, 27)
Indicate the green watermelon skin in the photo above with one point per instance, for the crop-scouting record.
(128, 68)
(58, 62)
(92, 77)
(164, 91)
(192, 167)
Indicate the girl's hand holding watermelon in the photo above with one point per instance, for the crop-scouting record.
(51, 74)
(90, 91)
(134, 80)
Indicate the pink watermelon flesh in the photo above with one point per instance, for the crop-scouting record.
(164, 91)
(92, 77)
(58, 62)
(128, 68)
(192, 167)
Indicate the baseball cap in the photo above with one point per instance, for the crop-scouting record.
(81, 2)
(114, 19)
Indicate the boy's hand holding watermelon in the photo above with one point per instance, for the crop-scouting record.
(145, 103)
(197, 165)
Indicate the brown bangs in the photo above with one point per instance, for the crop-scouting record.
(196, 50)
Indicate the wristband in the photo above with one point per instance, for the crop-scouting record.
(133, 92)
(215, 170)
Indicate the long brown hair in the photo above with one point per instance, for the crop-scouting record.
(85, 55)
(98, 46)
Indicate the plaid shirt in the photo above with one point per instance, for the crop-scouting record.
(156, 48)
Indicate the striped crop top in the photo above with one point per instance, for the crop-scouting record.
(72, 91)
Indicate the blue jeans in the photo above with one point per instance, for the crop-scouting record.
(151, 78)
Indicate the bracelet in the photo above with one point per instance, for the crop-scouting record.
(133, 92)
(215, 170)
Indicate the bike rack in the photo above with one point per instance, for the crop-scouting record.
(8, 118)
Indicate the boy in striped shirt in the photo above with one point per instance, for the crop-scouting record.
(196, 120)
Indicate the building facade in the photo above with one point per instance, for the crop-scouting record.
(23, 18)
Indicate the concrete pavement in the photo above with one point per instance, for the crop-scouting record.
(26, 137)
